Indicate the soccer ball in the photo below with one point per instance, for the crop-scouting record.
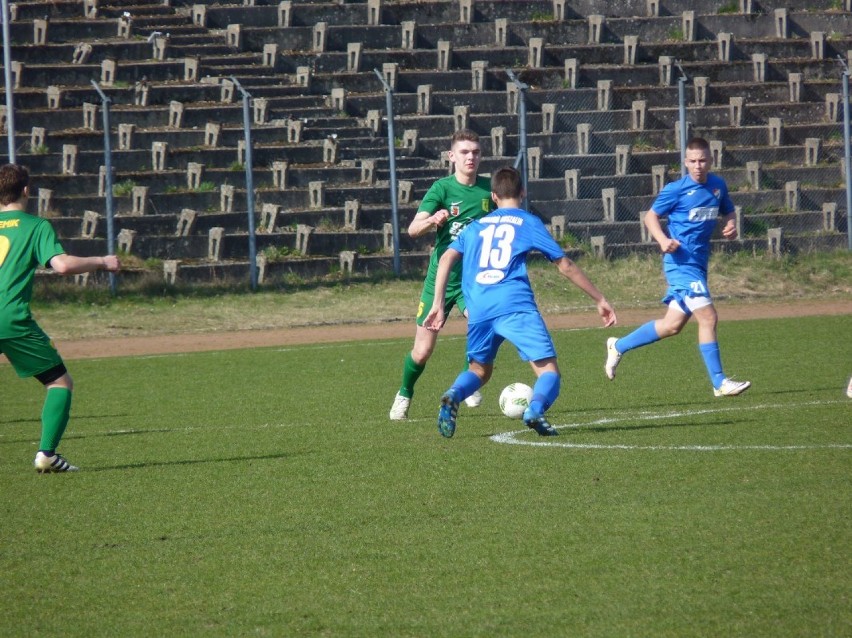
(514, 399)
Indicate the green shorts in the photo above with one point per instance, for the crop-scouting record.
(31, 353)
(453, 298)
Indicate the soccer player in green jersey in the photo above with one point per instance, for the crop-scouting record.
(26, 242)
(449, 205)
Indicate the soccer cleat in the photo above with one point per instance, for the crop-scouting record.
(447, 415)
(538, 423)
(731, 388)
(849, 388)
(613, 356)
(45, 464)
(474, 400)
(399, 409)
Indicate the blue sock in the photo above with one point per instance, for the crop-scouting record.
(713, 361)
(642, 336)
(465, 384)
(545, 391)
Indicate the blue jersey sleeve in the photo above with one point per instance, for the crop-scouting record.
(726, 206)
(666, 200)
(543, 241)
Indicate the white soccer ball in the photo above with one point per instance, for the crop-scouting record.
(514, 399)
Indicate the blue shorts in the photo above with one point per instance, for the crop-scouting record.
(686, 281)
(525, 330)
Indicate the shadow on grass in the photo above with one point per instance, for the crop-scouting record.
(35, 421)
(150, 464)
(592, 428)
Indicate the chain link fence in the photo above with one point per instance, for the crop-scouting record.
(596, 159)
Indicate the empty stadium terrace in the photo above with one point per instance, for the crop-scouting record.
(762, 81)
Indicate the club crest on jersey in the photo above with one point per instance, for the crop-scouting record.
(455, 209)
(486, 205)
(717, 193)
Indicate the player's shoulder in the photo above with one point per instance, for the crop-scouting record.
(441, 183)
(21, 219)
(714, 181)
(678, 185)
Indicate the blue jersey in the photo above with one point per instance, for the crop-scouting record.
(692, 209)
(494, 262)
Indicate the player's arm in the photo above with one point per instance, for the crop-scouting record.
(425, 222)
(64, 264)
(576, 276)
(434, 321)
(652, 223)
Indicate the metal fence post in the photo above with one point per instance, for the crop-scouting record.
(7, 73)
(249, 185)
(847, 155)
(521, 159)
(108, 194)
(392, 156)
(681, 109)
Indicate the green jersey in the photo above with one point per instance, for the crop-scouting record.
(465, 204)
(26, 242)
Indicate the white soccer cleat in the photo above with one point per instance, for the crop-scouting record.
(474, 400)
(399, 409)
(45, 464)
(731, 388)
(613, 356)
(849, 388)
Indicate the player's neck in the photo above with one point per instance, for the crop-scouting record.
(509, 202)
(14, 206)
(465, 179)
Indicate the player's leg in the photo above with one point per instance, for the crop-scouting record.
(55, 414)
(466, 383)
(33, 355)
(482, 346)
(415, 360)
(471, 380)
(708, 345)
(545, 393)
(474, 400)
(529, 334)
(650, 332)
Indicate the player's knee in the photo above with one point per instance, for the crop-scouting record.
(420, 354)
(668, 329)
(56, 377)
(483, 372)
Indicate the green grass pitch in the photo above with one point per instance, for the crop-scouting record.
(265, 493)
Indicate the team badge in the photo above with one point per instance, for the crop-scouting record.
(486, 205)
(717, 193)
(455, 209)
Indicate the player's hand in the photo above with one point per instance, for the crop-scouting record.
(729, 230)
(669, 245)
(111, 263)
(607, 313)
(434, 321)
(439, 217)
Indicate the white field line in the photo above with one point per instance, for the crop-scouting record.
(511, 438)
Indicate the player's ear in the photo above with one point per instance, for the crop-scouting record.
(493, 197)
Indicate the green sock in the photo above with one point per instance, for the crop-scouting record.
(54, 417)
(410, 373)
